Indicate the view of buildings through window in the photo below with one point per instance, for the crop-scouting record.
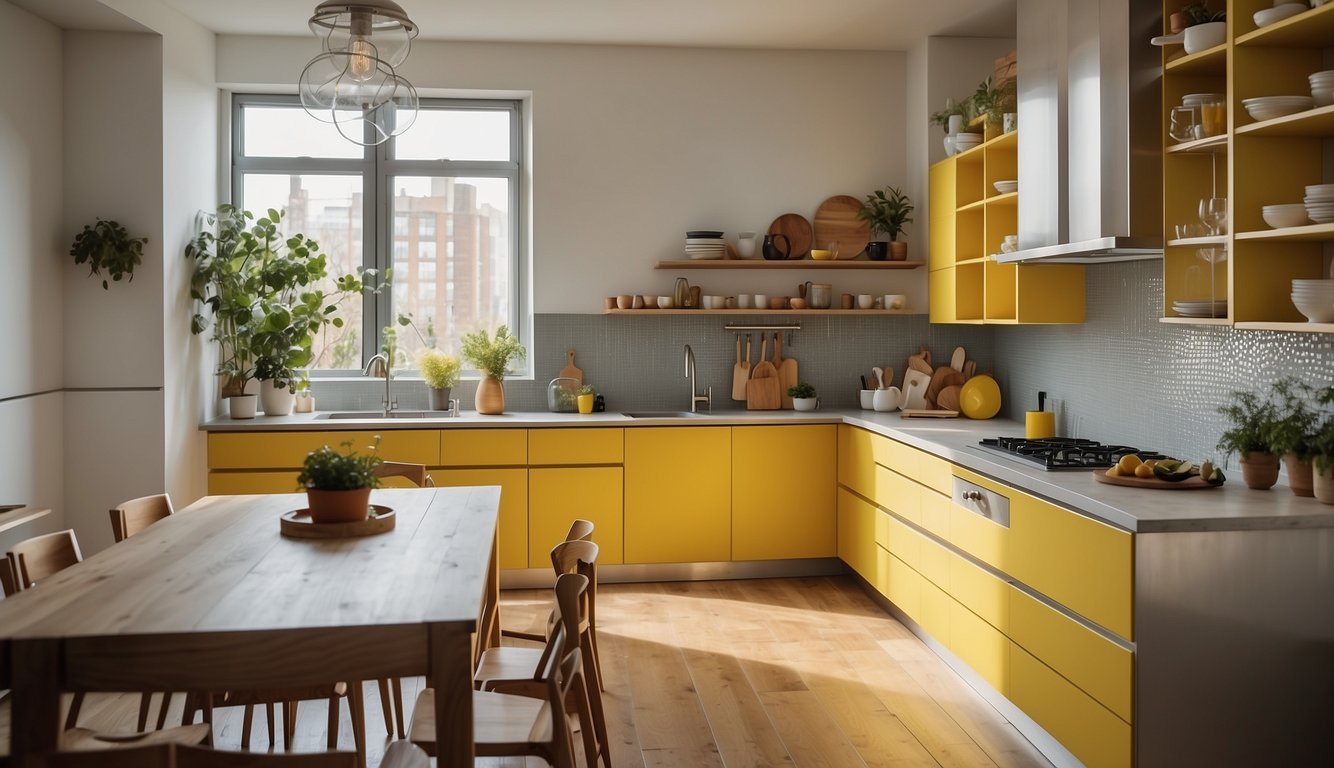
(449, 240)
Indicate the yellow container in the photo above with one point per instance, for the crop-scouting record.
(1039, 424)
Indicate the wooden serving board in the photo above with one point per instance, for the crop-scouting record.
(798, 231)
(298, 525)
(836, 219)
(922, 413)
(1192, 483)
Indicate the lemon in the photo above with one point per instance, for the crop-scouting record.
(1128, 463)
(1114, 472)
(1144, 470)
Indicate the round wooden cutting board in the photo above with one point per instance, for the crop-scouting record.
(1193, 483)
(798, 232)
(836, 219)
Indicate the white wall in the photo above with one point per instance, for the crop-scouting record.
(633, 146)
(33, 244)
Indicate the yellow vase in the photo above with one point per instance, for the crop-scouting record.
(490, 399)
(586, 403)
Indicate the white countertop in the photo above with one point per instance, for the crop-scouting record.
(1230, 507)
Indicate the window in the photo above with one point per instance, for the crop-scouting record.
(456, 172)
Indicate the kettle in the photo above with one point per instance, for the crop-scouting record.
(770, 248)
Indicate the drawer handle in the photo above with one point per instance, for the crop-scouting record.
(972, 495)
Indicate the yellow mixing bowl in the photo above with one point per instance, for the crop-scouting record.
(980, 397)
(820, 254)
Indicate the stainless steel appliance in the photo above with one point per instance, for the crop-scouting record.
(1055, 453)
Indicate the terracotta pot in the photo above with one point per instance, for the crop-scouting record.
(1259, 470)
(338, 506)
(898, 250)
(1300, 474)
(490, 399)
(1324, 484)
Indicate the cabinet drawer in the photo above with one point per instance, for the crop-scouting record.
(981, 646)
(282, 450)
(857, 525)
(904, 588)
(935, 512)
(856, 464)
(575, 446)
(935, 612)
(483, 448)
(898, 494)
(935, 561)
(900, 540)
(980, 592)
(931, 471)
(789, 512)
(238, 483)
(1092, 732)
(1095, 664)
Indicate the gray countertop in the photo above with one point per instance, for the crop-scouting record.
(1231, 507)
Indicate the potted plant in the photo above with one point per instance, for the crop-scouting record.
(1294, 427)
(222, 283)
(586, 397)
(491, 357)
(1205, 28)
(440, 372)
(338, 485)
(1250, 438)
(1321, 445)
(803, 396)
(107, 246)
(886, 211)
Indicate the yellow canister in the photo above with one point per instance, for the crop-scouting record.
(1039, 424)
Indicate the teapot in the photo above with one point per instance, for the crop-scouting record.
(770, 248)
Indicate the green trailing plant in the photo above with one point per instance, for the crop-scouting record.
(1296, 421)
(492, 356)
(801, 390)
(1200, 13)
(328, 470)
(439, 370)
(887, 210)
(106, 247)
(1253, 421)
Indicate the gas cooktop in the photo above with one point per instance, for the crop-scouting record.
(1063, 452)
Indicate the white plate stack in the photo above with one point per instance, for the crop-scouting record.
(1200, 307)
(1320, 203)
(966, 141)
(1322, 88)
(1315, 299)
(1270, 107)
(1006, 186)
(706, 248)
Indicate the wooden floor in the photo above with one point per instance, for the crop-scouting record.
(778, 672)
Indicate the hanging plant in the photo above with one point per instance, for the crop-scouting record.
(107, 247)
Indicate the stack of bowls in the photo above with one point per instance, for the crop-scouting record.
(966, 141)
(706, 244)
(1320, 203)
(1322, 88)
(1280, 216)
(1315, 299)
(1281, 10)
(1270, 107)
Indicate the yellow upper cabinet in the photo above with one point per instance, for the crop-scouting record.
(783, 502)
(678, 494)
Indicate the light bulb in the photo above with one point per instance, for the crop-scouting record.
(361, 62)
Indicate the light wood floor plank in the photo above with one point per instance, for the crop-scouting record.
(811, 734)
(742, 730)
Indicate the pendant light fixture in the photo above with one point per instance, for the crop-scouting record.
(353, 82)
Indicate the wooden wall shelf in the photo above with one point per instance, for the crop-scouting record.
(1307, 233)
(1309, 29)
(1318, 122)
(1212, 61)
(784, 312)
(787, 264)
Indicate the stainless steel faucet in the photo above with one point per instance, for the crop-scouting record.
(695, 397)
(387, 373)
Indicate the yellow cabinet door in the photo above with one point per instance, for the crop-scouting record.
(483, 447)
(236, 483)
(784, 509)
(559, 495)
(856, 533)
(1082, 725)
(513, 508)
(575, 445)
(678, 494)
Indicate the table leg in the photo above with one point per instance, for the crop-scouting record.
(35, 709)
(451, 676)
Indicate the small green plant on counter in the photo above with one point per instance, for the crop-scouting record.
(1295, 422)
(328, 470)
(106, 246)
(1321, 443)
(1199, 13)
(439, 370)
(588, 389)
(887, 210)
(1253, 421)
(492, 356)
(801, 390)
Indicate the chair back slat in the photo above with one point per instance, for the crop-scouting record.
(133, 516)
(36, 558)
(414, 473)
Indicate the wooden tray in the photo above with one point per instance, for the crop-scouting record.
(798, 231)
(1192, 483)
(836, 219)
(298, 525)
(922, 413)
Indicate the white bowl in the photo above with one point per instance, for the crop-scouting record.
(1005, 187)
(1202, 37)
(666, 302)
(1196, 99)
(1314, 311)
(1279, 13)
(1286, 216)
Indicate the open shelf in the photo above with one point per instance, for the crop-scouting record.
(1308, 233)
(786, 264)
(1291, 327)
(1187, 242)
(1006, 198)
(1309, 29)
(1316, 122)
(786, 312)
(1209, 145)
(1195, 320)
(1212, 61)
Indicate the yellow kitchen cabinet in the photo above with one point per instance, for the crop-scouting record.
(575, 446)
(1092, 732)
(981, 646)
(857, 532)
(482, 448)
(678, 494)
(231, 483)
(279, 450)
(783, 482)
(513, 525)
(904, 587)
(980, 591)
(559, 495)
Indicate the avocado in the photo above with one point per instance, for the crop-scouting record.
(1215, 477)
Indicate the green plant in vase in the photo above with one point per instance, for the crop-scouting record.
(440, 371)
(886, 211)
(1251, 437)
(491, 356)
(338, 484)
(1294, 428)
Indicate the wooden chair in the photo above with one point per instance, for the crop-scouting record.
(516, 670)
(135, 515)
(290, 700)
(506, 725)
(36, 558)
(9, 583)
(580, 530)
(415, 473)
(399, 755)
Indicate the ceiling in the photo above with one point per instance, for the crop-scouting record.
(793, 24)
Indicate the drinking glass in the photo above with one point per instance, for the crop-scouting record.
(1213, 118)
(1183, 123)
(1213, 212)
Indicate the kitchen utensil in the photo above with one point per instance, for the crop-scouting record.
(836, 220)
(969, 369)
(914, 389)
(942, 377)
(980, 397)
(923, 413)
(863, 378)
(957, 359)
(741, 371)
(798, 232)
(771, 249)
(948, 398)
(696, 295)
(921, 362)
(1040, 423)
(1193, 483)
(886, 400)
(787, 370)
(762, 391)
(879, 377)
(569, 371)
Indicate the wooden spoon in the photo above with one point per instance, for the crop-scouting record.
(948, 399)
(969, 369)
(957, 359)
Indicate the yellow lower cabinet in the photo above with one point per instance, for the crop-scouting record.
(559, 495)
(856, 533)
(901, 541)
(483, 447)
(856, 460)
(678, 494)
(935, 612)
(236, 483)
(898, 494)
(904, 588)
(513, 484)
(575, 445)
(936, 512)
(1092, 732)
(787, 510)
(981, 646)
(261, 450)
(981, 592)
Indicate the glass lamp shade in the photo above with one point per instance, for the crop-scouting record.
(344, 26)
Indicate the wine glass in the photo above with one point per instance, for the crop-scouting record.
(1213, 212)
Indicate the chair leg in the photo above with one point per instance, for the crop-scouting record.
(386, 706)
(273, 733)
(593, 695)
(72, 720)
(145, 699)
(247, 722)
(333, 722)
(357, 705)
(397, 685)
(596, 654)
(289, 723)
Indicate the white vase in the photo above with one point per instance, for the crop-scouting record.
(805, 403)
(949, 145)
(956, 124)
(242, 406)
(276, 401)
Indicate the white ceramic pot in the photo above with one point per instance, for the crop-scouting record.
(887, 399)
(242, 406)
(1202, 37)
(867, 399)
(949, 145)
(276, 401)
(805, 403)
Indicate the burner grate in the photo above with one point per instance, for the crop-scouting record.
(1065, 452)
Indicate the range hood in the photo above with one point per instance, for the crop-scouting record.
(1090, 157)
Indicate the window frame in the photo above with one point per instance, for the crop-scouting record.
(377, 167)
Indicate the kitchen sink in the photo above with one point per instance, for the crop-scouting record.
(660, 414)
(337, 415)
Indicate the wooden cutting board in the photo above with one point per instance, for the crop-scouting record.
(948, 398)
(921, 413)
(787, 370)
(944, 376)
(836, 219)
(762, 393)
(798, 231)
(741, 371)
(1193, 483)
(921, 362)
(569, 371)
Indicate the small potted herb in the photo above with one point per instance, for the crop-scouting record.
(440, 372)
(1251, 438)
(886, 211)
(803, 396)
(107, 246)
(491, 356)
(338, 485)
(1294, 427)
(1321, 447)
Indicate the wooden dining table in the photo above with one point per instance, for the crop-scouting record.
(213, 598)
